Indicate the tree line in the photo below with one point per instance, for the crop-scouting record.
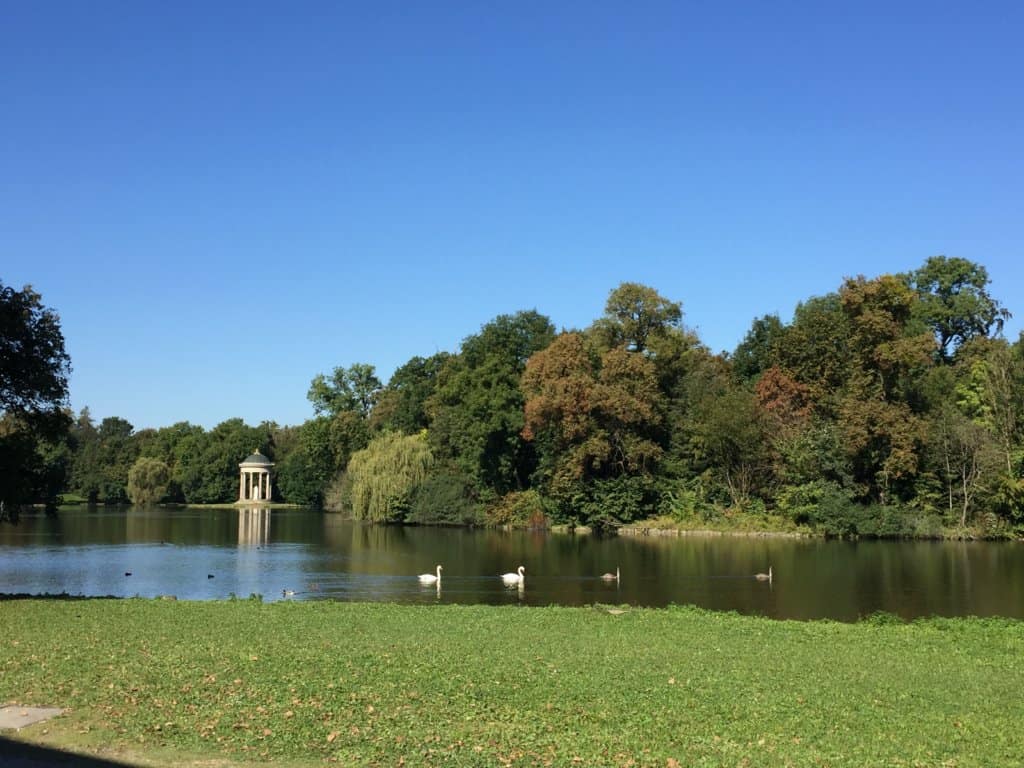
(890, 406)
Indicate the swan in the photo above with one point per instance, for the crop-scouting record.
(764, 576)
(611, 576)
(514, 578)
(287, 593)
(429, 578)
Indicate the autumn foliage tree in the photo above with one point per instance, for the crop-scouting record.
(593, 416)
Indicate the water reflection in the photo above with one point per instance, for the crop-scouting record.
(309, 556)
(253, 526)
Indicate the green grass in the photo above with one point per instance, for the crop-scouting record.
(377, 684)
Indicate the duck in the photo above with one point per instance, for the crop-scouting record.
(429, 578)
(512, 579)
(288, 593)
(764, 576)
(611, 576)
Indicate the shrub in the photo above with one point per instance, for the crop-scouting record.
(444, 499)
(519, 509)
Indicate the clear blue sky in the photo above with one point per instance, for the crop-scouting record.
(224, 199)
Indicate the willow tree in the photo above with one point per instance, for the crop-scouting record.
(148, 480)
(382, 477)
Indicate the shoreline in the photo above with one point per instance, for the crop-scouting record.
(640, 530)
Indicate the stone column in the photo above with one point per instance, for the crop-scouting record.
(241, 485)
(270, 495)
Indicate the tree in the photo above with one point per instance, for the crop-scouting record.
(890, 354)
(732, 434)
(633, 314)
(148, 480)
(163, 444)
(402, 405)
(954, 301)
(968, 457)
(207, 462)
(86, 470)
(298, 480)
(477, 406)
(594, 417)
(382, 477)
(352, 389)
(814, 348)
(117, 454)
(34, 369)
(758, 351)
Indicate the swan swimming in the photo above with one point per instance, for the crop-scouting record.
(611, 576)
(429, 578)
(764, 576)
(514, 578)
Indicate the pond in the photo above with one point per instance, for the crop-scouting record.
(200, 554)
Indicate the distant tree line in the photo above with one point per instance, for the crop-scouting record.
(891, 406)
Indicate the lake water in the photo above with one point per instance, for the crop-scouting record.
(200, 554)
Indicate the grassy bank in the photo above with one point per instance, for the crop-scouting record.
(367, 684)
(898, 524)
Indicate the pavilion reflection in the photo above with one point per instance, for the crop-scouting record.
(253, 526)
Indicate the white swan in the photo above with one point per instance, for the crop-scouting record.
(429, 578)
(512, 579)
(764, 576)
(611, 576)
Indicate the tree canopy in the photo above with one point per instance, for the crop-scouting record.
(34, 369)
(34, 366)
(891, 405)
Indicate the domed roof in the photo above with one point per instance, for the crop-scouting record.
(257, 460)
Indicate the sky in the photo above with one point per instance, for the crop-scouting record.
(222, 200)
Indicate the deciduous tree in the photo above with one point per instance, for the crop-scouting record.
(955, 302)
(34, 369)
(351, 389)
(477, 406)
(594, 416)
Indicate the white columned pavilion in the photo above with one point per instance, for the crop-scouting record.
(254, 478)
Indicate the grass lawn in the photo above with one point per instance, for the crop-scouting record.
(377, 684)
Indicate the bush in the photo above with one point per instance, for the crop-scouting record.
(819, 502)
(831, 510)
(519, 509)
(685, 501)
(444, 499)
(606, 504)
